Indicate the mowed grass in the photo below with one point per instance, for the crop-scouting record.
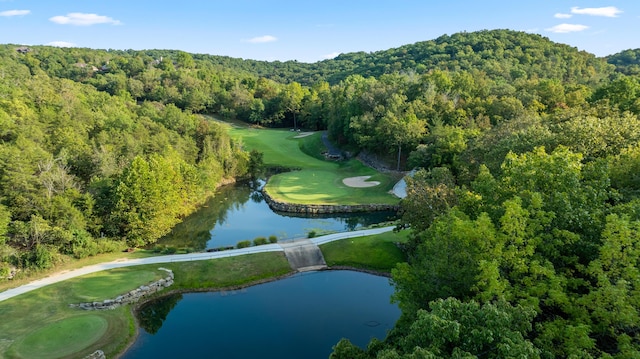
(40, 324)
(228, 272)
(70, 264)
(317, 181)
(65, 337)
(42, 318)
(378, 252)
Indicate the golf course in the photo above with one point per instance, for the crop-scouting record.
(40, 323)
(315, 180)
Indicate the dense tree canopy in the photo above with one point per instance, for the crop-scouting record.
(84, 171)
(524, 209)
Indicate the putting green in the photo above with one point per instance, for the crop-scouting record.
(62, 338)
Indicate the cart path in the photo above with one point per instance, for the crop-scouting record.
(276, 247)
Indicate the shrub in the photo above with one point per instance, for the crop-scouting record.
(106, 245)
(259, 241)
(273, 239)
(312, 234)
(5, 270)
(170, 250)
(244, 244)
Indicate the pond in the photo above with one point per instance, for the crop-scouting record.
(239, 212)
(302, 316)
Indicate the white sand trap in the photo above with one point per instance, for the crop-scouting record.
(303, 134)
(359, 182)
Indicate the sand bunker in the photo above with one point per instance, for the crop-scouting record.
(303, 134)
(359, 182)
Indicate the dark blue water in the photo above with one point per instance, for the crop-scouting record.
(302, 316)
(239, 212)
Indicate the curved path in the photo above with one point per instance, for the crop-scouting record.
(58, 277)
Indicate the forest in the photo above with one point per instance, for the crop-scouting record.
(524, 211)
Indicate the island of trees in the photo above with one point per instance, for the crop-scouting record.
(524, 212)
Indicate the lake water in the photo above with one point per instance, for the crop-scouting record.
(302, 316)
(239, 212)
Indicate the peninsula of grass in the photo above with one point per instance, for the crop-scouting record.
(377, 253)
(314, 180)
(42, 318)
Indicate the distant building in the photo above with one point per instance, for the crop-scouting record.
(23, 49)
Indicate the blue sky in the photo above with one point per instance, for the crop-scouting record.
(309, 31)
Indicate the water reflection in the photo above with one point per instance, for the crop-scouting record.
(152, 314)
(302, 316)
(239, 212)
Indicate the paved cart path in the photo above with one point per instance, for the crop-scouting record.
(277, 247)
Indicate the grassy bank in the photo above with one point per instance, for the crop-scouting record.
(316, 180)
(40, 324)
(377, 253)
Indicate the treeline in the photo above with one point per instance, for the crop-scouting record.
(83, 171)
(429, 98)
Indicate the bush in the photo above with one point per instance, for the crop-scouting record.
(106, 245)
(243, 244)
(259, 241)
(5, 270)
(312, 234)
(170, 250)
(273, 239)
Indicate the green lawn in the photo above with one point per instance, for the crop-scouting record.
(40, 324)
(43, 319)
(378, 252)
(317, 181)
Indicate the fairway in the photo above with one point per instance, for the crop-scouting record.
(313, 180)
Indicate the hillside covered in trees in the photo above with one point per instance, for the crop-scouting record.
(525, 211)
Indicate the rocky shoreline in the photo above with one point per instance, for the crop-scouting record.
(132, 296)
(325, 208)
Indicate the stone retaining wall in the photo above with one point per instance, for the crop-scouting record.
(325, 208)
(129, 297)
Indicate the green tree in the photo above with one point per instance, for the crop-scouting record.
(445, 263)
(292, 96)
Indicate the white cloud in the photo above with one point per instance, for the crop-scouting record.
(330, 56)
(15, 12)
(607, 11)
(262, 39)
(564, 28)
(81, 19)
(62, 44)
(562, 16)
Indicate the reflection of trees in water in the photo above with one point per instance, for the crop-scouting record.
(352, 221)
(194, 230)
(152, 314)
